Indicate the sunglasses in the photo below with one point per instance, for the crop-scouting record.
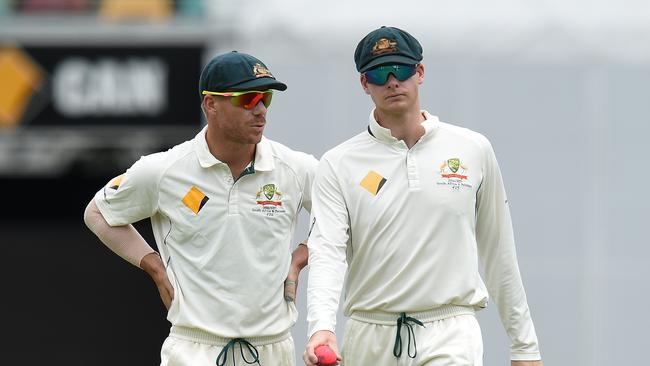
(246, 99)
(379, 75)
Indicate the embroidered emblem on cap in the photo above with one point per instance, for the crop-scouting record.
(384, 45)
(260, 71)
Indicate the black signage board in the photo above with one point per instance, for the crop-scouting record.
(115, 86)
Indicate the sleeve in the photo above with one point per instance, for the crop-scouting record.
(124, 241)
(327, 250)
(496, 248)
(311, 164)
(132, 196)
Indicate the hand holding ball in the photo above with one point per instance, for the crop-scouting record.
(326, 356)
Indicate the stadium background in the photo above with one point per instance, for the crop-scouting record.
(560, 88)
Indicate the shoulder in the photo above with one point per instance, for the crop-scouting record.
(463, 133)
(358, 142)
(155, 165)
(297, 160)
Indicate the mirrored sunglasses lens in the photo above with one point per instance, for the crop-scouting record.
(266, 99)
(377, 76)
(250, 100)
(403, 72)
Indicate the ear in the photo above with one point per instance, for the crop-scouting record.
(209, 104)
(420, 71)
(364, 83)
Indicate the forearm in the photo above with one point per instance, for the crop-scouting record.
(326, 274)
(124, 241)
(300, 257)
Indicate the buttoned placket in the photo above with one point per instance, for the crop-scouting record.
(233, 191)
(412, 170)
(233, 188)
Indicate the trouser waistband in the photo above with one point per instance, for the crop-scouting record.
(439, 313)
(201, 336)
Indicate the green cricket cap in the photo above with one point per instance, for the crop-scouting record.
(387, 45)
(237, 71)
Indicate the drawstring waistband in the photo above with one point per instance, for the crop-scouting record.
(415, 318)
(439, 313)
(231, 345)
(201, 336)
(247, 345)
(397, 348)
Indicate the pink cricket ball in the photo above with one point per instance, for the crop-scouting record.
(325, 355)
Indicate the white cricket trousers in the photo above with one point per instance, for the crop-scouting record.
(192, 347)
(450, 336)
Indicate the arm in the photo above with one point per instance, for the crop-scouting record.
(126, 242)
(496, 249)
(300, 255)
(327, 258)
(299, 259)
(128, 198)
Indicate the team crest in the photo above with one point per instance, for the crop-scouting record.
(268, 200)
(260, 71)
(269, 191)
(384, 45)
(454, 173)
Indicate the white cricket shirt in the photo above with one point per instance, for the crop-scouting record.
(410, 226)
(226, 244)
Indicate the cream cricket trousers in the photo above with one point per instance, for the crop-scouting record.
(449, 337)
(192, 347)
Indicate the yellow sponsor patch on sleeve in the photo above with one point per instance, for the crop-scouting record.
(195, 199)
(115, 182)
(373, 182)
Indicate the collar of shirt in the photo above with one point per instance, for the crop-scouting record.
(430, 125)
(263, 153)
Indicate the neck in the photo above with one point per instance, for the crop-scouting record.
(236, 155)
(406, 126)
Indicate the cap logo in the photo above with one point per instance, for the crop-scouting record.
(260, 71)
(384, 45)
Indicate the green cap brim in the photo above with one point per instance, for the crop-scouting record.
(259, 83)
(389, 59)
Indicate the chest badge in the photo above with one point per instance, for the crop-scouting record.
(268, 200)
(195, 199)
(373, 182)
(454, 173)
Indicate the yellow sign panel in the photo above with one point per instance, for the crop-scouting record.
(20, 78)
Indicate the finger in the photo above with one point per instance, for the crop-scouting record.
(166, 300)
(311, 356)
(336, 351)
(167, 295)
(309, 360)
(170, 290)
